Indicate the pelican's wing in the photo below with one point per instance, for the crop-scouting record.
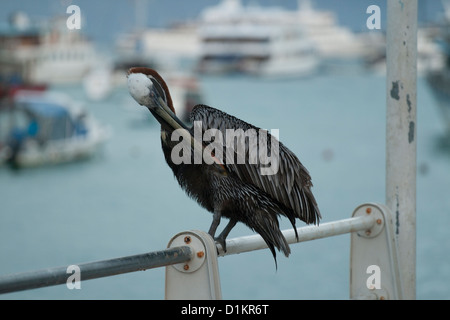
(290, 185)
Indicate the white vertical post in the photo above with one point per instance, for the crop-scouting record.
(401, 137)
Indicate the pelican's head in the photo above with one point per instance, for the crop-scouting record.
(146, 86)
(149, 89)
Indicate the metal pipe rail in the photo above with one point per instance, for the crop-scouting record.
(192, 266)
(372, 245)
(334, 228)
(172, 256)
(96, 269)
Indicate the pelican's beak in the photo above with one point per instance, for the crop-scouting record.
(166, 114)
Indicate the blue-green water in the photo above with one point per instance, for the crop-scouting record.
(125, 201)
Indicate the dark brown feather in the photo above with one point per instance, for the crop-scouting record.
(291, 185)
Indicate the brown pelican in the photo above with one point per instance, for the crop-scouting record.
(224, 186)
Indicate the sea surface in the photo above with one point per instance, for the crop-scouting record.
(125, 200)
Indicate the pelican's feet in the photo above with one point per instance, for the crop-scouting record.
(222, 241)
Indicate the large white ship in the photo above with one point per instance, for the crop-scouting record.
(47, 53)
(265, 41)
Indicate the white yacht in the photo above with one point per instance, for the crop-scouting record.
(265, 41)
(333, 41)
(47, 52)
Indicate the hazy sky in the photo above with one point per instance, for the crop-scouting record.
(103, 19)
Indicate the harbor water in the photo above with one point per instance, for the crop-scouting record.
(125, 200)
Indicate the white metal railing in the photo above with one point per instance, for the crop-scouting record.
(373, 246)
(328, 229)
(192, 266)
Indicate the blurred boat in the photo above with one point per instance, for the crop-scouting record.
(173, 48)
(185, 92)
(264, 41)
(9, 89)
(98, 83)
(429, 53)
(46, 128)
(44, 53)
(256, 40)
(333, 41)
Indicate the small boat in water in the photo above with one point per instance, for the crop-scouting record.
(46, 128)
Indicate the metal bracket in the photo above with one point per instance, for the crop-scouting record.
(374, 269)
(199, 277)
